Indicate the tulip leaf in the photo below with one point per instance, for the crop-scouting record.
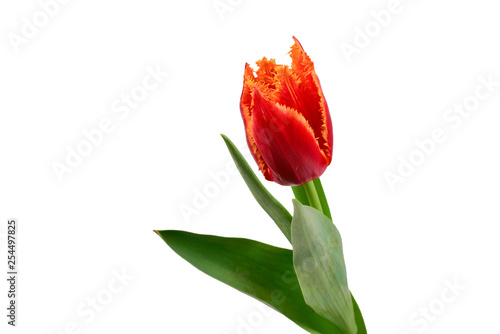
(301, 196)
(360, 322)
(259, 270)
(271, 205)
(319, 264)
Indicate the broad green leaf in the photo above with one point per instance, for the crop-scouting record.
(319, 264)
(360, 322)
(262, 271)
(301, 196)
(274, 209)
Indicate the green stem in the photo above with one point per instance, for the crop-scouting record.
(322, 198)
(300, 194)
(312, 196)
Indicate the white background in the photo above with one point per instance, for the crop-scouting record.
(401, 246)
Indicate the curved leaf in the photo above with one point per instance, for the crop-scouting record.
(274, 209)
(259, 270)
(319, 263)
(301, 196)
(360, 322)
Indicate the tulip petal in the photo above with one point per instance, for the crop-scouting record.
(292, 154)
(289, 92)
(309, 92)
(249, 83)
(266, 75)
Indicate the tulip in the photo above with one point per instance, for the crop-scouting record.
(287, 122)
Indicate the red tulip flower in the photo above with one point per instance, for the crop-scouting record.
(287, 122)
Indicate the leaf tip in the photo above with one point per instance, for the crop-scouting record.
(296, 205)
